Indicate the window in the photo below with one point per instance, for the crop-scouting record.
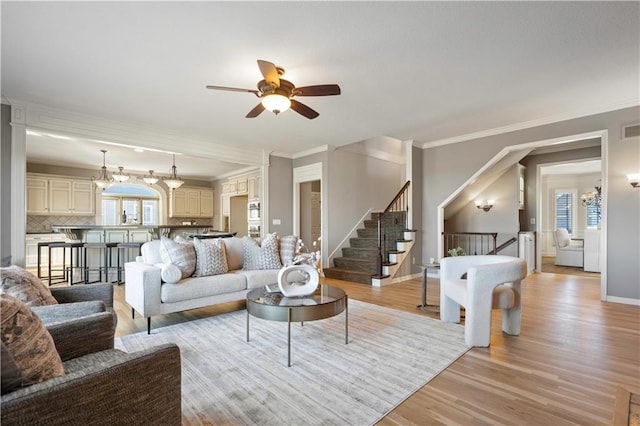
(564, 209)
(593, 216)
(141, 205)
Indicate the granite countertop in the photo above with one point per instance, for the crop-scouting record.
(90, 227)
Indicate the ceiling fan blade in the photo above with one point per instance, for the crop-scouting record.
(234, 89)
(255, 111)
(319, 90)
(302, 109)
(269, 72)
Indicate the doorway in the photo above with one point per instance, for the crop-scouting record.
(308, 206)
(567, 201)
(310, 212)
(238, 215)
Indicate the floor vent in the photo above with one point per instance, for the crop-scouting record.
(631, 131)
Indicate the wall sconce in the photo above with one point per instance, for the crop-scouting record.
(633, 179)
(485, 205)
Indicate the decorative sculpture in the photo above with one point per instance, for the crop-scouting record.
(298, 280)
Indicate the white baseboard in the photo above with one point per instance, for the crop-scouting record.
(406, 278)
(623, 300)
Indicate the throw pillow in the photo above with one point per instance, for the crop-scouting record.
(25, 286)
(28, 343)
(261, 256)
(181, 255)
(170, 273)
(288, 246)
(211, 257)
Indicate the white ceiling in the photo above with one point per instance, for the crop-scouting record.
(426, 71)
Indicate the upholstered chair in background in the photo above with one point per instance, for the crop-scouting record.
(569, 252)
(492, 282)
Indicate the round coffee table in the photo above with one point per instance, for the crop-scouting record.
(326, 302)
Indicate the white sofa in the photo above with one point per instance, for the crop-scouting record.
(147, 294)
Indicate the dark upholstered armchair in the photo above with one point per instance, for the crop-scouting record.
(101, 385)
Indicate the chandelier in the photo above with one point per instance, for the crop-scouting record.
(173, 181)
(592, 198)
(120, 175)
(150, 178)
(103, 180)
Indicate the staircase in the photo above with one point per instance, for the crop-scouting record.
(359, 261)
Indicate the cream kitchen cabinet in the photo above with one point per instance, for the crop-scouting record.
(191, 202)
(59, 196)
(206, 203)
(37, 195)
(253, 190)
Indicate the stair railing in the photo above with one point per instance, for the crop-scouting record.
(505, 245)
(400, 203)
(471, 243)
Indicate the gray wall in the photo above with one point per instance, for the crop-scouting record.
(356, 184)
(502, 218)
(5, 179)
(280, 195)
(447, 167)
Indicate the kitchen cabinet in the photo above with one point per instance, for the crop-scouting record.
(241, 186)
(178, 203)
(206, 203)
(37, 195)
(225, 201)
(59, 196)
(253, 191)
(191, 202)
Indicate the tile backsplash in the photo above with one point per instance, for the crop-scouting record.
(42, 224)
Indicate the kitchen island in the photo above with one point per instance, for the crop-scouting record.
(126, 233)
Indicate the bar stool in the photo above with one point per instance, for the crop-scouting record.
(74, 261)
(126, 247)
(64, 276)
(105, 262)
(40, 246)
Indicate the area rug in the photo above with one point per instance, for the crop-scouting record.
(229, 381)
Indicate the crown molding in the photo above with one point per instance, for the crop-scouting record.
(633, 102)
(43, 118)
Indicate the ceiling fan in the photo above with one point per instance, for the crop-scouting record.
(277, 93)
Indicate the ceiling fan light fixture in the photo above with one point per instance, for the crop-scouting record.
(276, 103)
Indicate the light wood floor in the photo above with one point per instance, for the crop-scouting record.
(565, 367)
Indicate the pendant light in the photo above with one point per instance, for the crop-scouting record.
(150, 178)
(173, 181)
(120, 176)
(103, 180)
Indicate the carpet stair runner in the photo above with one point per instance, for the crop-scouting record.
(359, 261)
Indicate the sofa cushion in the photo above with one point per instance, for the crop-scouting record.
(67, 311)
(261, 256)
(233, 247)
(170, 273)
(288, 246)
(196, 287)
(151, 252)
(25, 286)
(211, 258)
(28, 343)
(180, 254)
(259, 278)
